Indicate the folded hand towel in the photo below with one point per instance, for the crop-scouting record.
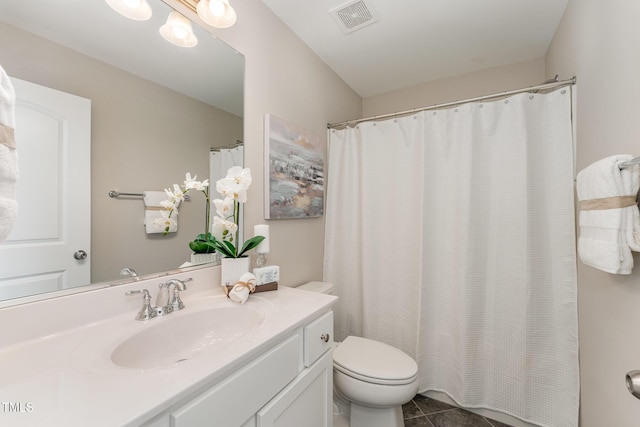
(243, 287)
(8, 156)
(609, 218)
(155, 215)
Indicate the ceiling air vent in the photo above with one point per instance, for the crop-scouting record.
(353, 16)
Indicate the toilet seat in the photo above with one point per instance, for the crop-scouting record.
(374, 362)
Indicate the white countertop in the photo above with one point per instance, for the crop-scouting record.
(67, 378)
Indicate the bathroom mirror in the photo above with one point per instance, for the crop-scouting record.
(156, 110)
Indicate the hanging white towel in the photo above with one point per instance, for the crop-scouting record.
(8, 156)
(609, 218)
(153, 210)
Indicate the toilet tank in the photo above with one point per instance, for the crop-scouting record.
(321, 287)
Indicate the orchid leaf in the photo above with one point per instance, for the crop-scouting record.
(202, 247)
(250, 244)
(223, 249)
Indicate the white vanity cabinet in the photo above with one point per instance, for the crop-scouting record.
(289, 385)
(308, 400)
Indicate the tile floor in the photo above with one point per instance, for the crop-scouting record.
(425, 412)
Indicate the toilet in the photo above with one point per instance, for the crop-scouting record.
(374, 379)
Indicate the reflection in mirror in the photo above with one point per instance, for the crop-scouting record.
(155, 111)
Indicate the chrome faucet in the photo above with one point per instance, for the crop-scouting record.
(162, 304)
(128, 272)
(146, 312)
(168, 305)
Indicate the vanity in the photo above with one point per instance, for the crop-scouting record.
(84, 359)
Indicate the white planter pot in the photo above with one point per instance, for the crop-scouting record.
(204, 258)
(233, 268)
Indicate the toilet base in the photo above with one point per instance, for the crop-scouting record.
(362, 416)
(340, 420)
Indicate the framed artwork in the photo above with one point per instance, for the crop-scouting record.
(294, 171)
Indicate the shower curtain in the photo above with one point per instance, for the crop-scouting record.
(450, 235)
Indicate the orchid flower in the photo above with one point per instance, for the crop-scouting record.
(224, 208)
(235, 184)
(222, 235)
(192, 184)
(165, 220)
(223, 229)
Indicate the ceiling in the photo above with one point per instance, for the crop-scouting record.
(412, 42)
(416, 41)
(211, 72)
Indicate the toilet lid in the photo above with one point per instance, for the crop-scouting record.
(374, 361)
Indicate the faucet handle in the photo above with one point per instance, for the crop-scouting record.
(178, 285)
(146, 312)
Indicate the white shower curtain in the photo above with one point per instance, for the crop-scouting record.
(221, 159)
(450, 235)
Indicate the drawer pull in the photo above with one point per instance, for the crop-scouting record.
(325, 337)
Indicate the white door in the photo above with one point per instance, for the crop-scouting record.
(53, 136)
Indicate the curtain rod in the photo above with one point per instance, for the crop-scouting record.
(238, 143)
(546, 85)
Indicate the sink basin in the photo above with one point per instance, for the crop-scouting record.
(182, 336)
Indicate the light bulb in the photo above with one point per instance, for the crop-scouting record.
(178, 30)
(132, 3)
(138, 10)
(217, 13)
(216, 7)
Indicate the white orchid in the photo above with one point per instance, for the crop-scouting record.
(223, 229)
(222, 236)
(176, 195)
(235, 184)
(224, 208)
(202, 243)
(193, 184)
(225, 226)
(170, 205)
(165, 220)
(240, 175)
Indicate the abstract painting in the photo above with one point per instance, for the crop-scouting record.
(294, 171)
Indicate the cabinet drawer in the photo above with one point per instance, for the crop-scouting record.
(318, 338)
(238, 397)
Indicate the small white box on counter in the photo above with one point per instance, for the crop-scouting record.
(268, 274)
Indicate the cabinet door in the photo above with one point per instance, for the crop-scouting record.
(232, 401)
(307, 401)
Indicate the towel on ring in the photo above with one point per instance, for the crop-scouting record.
(154, 211)
(8, 156)
(609, 218)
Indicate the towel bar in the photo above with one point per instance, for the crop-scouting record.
(115, 194)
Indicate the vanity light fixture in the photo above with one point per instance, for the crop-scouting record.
(138, 10)
(178, 30)
(217, 13)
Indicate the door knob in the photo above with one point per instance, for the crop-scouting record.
(325, 337)
(79, 255)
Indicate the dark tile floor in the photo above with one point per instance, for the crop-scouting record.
(425, 412)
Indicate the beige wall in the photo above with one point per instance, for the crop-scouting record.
(144, 137)
(285, 78)
(598, 42)
(484, 82)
